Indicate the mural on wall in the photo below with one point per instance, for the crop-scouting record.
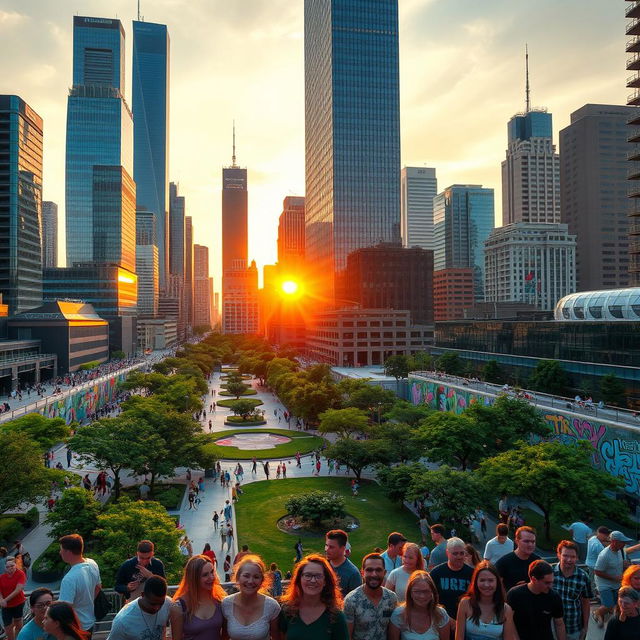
(79, 406)
(617, 450)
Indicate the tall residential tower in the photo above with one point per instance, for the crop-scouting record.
(418, 188)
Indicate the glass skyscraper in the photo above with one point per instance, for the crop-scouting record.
(20, 205)
(176, 232)
(352, 130)
(151, 129)
(99, 132)
(463, 219)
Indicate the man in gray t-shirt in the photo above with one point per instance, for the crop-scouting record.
(439, 552)
(609, 568)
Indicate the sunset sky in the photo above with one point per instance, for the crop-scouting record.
(461, 78)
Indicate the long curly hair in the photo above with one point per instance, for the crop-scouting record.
(330, 596)
(252, 558)
(190, 584)
(473, 593)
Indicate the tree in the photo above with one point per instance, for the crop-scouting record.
(455, 495)
(507, 421)
(450, 363)
(344, 422)
(402, 442)
(45, 432)
(397, 366)
(76, 512)
(549, 377)
(420, 361)
(118, 355)
(612, 390)
(316, 506)
(548, 474)
(310, 400)
(371, 397)
(454, 439)
(411, 414)
(243, 408)
(236, 388)
(396, 481)
(124, 524)
(356, 454)
(492, 372)
(116, 444)
(23, 476)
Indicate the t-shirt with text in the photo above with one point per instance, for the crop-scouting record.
(451, 585)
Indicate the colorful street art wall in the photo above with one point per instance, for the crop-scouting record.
(617, 450)
(81, 405)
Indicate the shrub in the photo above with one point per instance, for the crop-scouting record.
(75, 512)
(228, 404)
(316, 506)
(89, 365)
(50, 561)
(32, 517)
(9, 529)
(251, 420)
(169, 498)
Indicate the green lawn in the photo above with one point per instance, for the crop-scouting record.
(262, 505)
(300, 441)
(247, 392)
(227, 404)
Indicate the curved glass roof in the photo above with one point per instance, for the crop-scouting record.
(608, 305)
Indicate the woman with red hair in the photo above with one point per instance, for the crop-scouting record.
(312, 605)
(196, 613)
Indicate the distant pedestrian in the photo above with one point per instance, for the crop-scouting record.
(254, 465)
(284, 471)
(215, 519)
(69, 457)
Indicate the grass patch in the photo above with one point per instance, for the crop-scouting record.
(241, 422)
(300, 441)
(247, 392)
(228, 404)
(262, 504)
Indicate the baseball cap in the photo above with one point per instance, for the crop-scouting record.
(395, 538)
(618, 536)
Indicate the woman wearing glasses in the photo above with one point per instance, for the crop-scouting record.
(312, 605)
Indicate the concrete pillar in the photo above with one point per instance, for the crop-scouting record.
(14, 377)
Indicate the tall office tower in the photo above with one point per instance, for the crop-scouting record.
(176, 232)
(49, 234)
(418, 188)
(235, 237)
(151, 129)
(593, 193)
(633, 82)
(463, 216)
(241, 309)
(201, 286)
(530, 262)
(352, 131)
(188, 270)
(291, 233)
(99, 133)
(147, 270)
(146, 228)
(20, 205)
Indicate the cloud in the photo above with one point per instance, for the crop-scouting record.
(11, 18)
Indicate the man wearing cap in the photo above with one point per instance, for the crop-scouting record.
(393, 555)
(609, 568)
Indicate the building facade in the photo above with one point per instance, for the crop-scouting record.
(391, 277)
(352, 131)
(452, 293)
(176, 232)
(151, 129)
(463, 219)
(531, 263)
(291, 233)
(20, 204)
(594, 202)
(148, 272)
(201, 286)
(241, 308)
(531, 170)
(99, 126)
(49, 234)
(418, 188)
(188, 271)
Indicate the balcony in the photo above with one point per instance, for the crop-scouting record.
(634, 173)
(633, 10)
(633, 62)
(633, 28)
(633, 45)
(633, 191)
(633, 81)
(634, 156)
(633, 99)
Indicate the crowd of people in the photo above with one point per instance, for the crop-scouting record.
(403, 592)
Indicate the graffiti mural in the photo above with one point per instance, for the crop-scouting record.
(79, 406)
(616, 450)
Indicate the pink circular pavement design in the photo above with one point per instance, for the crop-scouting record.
(253, 441)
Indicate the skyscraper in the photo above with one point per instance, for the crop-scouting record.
(188, 270)
(291, 233)
(202, 286)
(151, 128)
(352, 131)
(20, 205)
(176, 232)
(235, 238)
(594, 202)
(147, 271)
(99, 129)
(49, 234)
(418, 188)
(463, 219)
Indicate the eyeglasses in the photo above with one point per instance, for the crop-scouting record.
(313, 577)
(43, 605)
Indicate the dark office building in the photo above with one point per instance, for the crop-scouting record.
(176, 231)
(20, 204)
(110, 289)
(71, 330)
(391, 277)
(234, 218)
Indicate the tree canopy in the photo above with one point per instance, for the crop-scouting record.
(45, 432)
(549, 377)
(344, 422)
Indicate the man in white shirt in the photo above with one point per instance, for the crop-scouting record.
(144, 618)
(81, 584)
(580, 532)
(498, 546)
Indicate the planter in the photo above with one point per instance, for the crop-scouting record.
(46, 576)
(242, 423)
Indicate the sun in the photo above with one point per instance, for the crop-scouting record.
(290, 287)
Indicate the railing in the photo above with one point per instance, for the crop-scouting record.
(632, 43)
(45, 402)
(631, 9)
(26, 358)
(632, 25)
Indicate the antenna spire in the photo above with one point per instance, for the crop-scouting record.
(527, 90)
(233, 157)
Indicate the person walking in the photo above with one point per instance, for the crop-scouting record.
(215, 519)
(398, 579)
(513, 567)
(39, 601)
(499, 546)
(625, 625)
(12, 598)
(335, 550)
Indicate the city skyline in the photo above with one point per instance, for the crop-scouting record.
(477, 59)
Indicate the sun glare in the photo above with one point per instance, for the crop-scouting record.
(290, 287)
